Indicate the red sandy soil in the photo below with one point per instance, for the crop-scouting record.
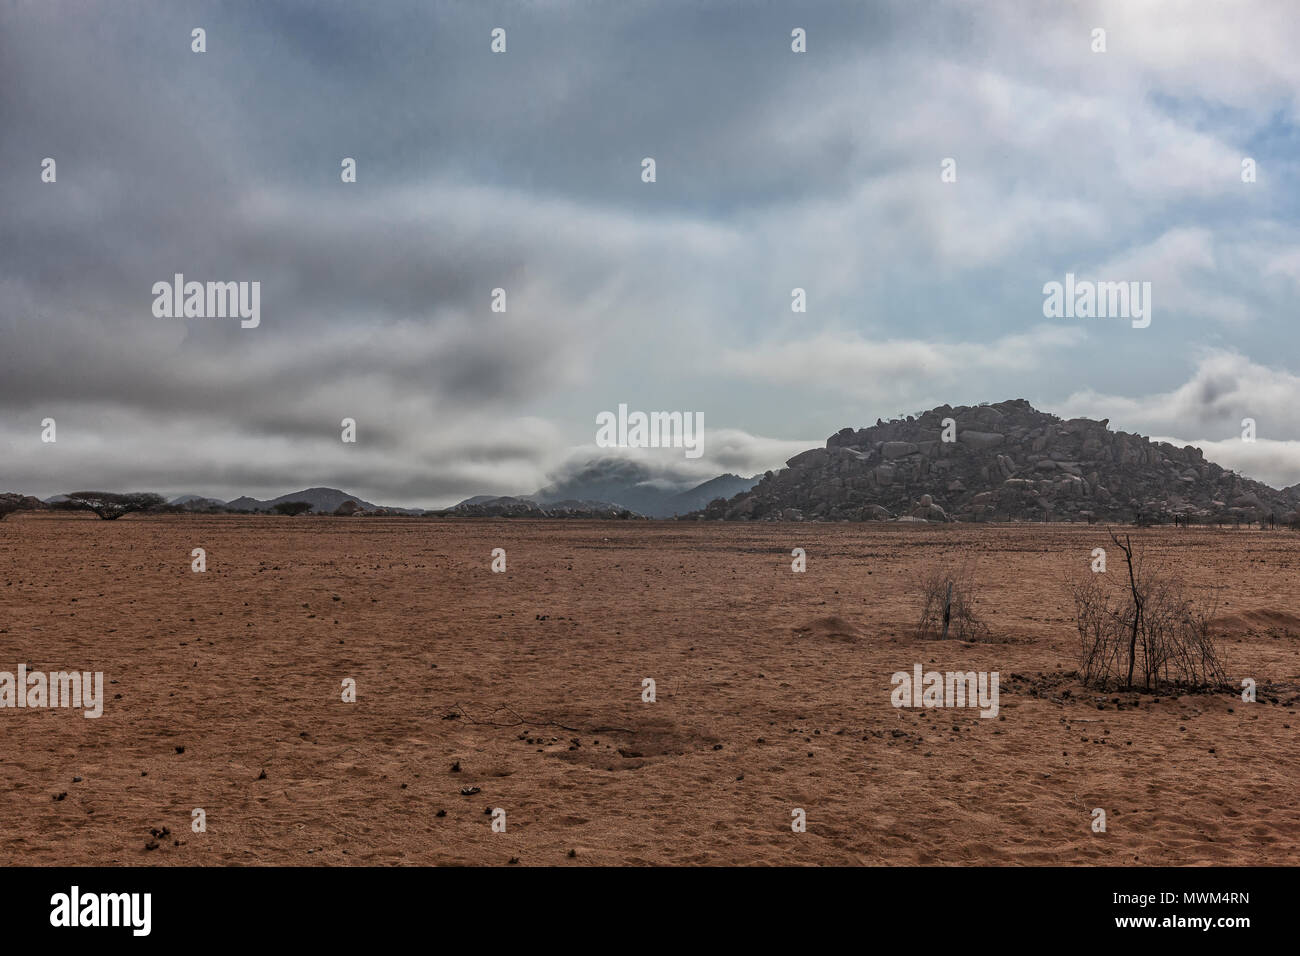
(773, 694)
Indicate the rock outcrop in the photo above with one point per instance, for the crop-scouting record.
(1003, 462)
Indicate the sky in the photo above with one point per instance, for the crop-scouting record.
(523, 170)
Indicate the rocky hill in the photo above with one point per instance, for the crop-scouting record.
(1007, 461)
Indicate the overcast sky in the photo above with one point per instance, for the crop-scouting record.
(522, 170)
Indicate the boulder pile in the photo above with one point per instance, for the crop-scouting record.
(1003, 462)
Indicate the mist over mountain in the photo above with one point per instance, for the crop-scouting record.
(609, 487)
(637, 487)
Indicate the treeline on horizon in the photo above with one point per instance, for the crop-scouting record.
(110, 505)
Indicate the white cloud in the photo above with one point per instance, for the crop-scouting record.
(1276, 463)
(1207, 411)
(884, 370)
(1224, 388)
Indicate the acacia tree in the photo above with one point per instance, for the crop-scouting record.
(110, 505)
(292, 508)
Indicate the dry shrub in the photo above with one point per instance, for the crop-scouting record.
(1140, 624)
(951, 589)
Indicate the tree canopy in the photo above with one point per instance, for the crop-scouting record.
(110, 505)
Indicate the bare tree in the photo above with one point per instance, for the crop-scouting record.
(1145, 625)
(1127, 548)
(110, 505)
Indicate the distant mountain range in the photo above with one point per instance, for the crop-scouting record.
(992, 462)
(322, 501)
(610, 488)
(605, 488)
(631, 485)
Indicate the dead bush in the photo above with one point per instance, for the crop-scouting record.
(947, 605)
(1141, 625)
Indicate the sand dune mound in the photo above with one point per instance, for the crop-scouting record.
(1262, 621)
(831, 627)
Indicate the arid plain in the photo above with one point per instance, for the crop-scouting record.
(224, 692)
